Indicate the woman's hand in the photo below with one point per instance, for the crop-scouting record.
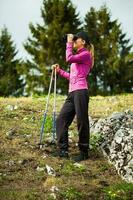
(55, 67)
(69, 37)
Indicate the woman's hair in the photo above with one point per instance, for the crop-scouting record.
(90, 47)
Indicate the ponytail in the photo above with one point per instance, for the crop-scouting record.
(90, 47)
(92, 54)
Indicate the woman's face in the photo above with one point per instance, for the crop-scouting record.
(79, 43)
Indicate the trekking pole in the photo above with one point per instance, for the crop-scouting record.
(46, 109)
(54, 111)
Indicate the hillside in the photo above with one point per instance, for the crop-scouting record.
(30, 173)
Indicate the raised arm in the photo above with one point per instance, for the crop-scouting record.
(78, 58)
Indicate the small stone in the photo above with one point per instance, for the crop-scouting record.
(54, 189)
(44, 156)
(41, 146)
(40, 169)
(25, 118)
(50, 170)
(76, 144)
(15, 107)
(70, 140)
(11, 162)
(10, 133)
(27, 135)
(10, 107)
(53, 195)
(23, 162)
(78, 165)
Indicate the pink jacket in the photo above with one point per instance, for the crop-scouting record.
(79, 68)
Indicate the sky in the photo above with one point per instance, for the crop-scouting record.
(17, 14)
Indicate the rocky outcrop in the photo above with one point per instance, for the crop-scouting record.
(117, 144)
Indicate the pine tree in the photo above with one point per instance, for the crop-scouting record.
(125, 73)
(111, 73)
(46, 46)
(10, 83)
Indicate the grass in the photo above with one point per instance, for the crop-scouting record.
(122, 191)
(72, 194)
(20, 155)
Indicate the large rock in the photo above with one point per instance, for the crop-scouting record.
(117, 144)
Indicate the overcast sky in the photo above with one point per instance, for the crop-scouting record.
(17, 14)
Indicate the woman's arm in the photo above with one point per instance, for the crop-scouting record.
(60, 71)
(63, 73)
(78, 58)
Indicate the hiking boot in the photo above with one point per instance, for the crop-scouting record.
(61, 154)
(82, 156)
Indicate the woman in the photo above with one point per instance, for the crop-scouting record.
(78, 95)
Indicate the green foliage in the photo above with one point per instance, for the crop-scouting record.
(122, 191)
(48, 123)
(10, 82)
(46, 45)
(95, 140)
(113, 69)
(31, 194)
(112, 72)
(72, 194)
(20, 181)
(69, 168)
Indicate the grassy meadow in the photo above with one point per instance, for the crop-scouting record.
(23, 172)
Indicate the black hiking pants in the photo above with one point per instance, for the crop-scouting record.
(75, 103)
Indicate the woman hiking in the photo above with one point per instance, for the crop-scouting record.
(77, 100)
